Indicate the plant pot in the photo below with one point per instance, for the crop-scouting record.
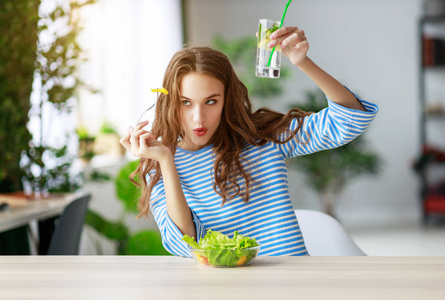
(108, 144)
(86, 148)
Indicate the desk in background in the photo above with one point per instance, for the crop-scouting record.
(22, 212)
(166, 277)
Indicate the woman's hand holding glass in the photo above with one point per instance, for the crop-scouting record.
(293, 43)
(141, 143)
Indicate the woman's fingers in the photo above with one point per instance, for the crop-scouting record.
(141, 125)
(145, 141)
(138, 131)
(278, 40)
(283, 31)
(289, 38)
(302, 46)
(125, 140)
(134, 137)
(138, 140)
(134, 140)
(150, 147)
(292, 41)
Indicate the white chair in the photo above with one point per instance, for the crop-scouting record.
(325, 236)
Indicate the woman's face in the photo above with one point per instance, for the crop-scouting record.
(202, 102)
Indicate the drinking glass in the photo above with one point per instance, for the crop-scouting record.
(263, 68)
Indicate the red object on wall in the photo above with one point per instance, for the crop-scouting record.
(428, 51)
(434, 204)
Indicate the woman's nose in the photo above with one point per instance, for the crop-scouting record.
(199, 115)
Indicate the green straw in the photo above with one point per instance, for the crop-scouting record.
(281, 24)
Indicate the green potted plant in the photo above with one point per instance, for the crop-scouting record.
(107, 141)
(86, 144)
(144, 242)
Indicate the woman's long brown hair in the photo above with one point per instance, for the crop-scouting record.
(238, 124)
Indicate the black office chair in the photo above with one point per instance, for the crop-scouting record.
(66, 237)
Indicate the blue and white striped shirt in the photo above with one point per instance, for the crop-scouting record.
(268, 216)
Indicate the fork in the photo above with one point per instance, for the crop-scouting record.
(145, 112)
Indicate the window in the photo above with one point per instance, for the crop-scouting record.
(128, 45)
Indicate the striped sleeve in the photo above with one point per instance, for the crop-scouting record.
(170, 233)
(330, 128)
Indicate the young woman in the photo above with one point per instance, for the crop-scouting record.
(210, 162)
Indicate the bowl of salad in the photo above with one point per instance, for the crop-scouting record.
(216, 249)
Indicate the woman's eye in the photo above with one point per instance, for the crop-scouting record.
(211, 101)
(185, 102)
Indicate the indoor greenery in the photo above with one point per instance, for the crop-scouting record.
(47, 163)
(145, 242)
(108, 127)
(52, 65)
(327, 172)
(86, 143)
(18, 45)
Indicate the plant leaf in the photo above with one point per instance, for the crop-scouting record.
(127, 192)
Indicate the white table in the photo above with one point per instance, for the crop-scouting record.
(20, 215)
(164, 277)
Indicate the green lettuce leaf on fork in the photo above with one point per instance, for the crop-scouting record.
(230, 249)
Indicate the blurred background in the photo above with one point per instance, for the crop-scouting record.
(387, 189)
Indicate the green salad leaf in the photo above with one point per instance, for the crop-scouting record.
(191, 241)
(220, 250)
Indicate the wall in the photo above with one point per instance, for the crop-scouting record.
(370, 46)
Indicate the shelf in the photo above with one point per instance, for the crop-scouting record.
(438, 68)
(434, 204)
(435, 115)
(432, 66)
(421, 165)
(438, 19)
(433, 52)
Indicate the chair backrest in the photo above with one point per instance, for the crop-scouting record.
(325, 236)
(66, 237)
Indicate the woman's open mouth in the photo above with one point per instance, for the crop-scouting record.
(200, 131)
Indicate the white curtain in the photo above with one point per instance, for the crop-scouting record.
(128, 44)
